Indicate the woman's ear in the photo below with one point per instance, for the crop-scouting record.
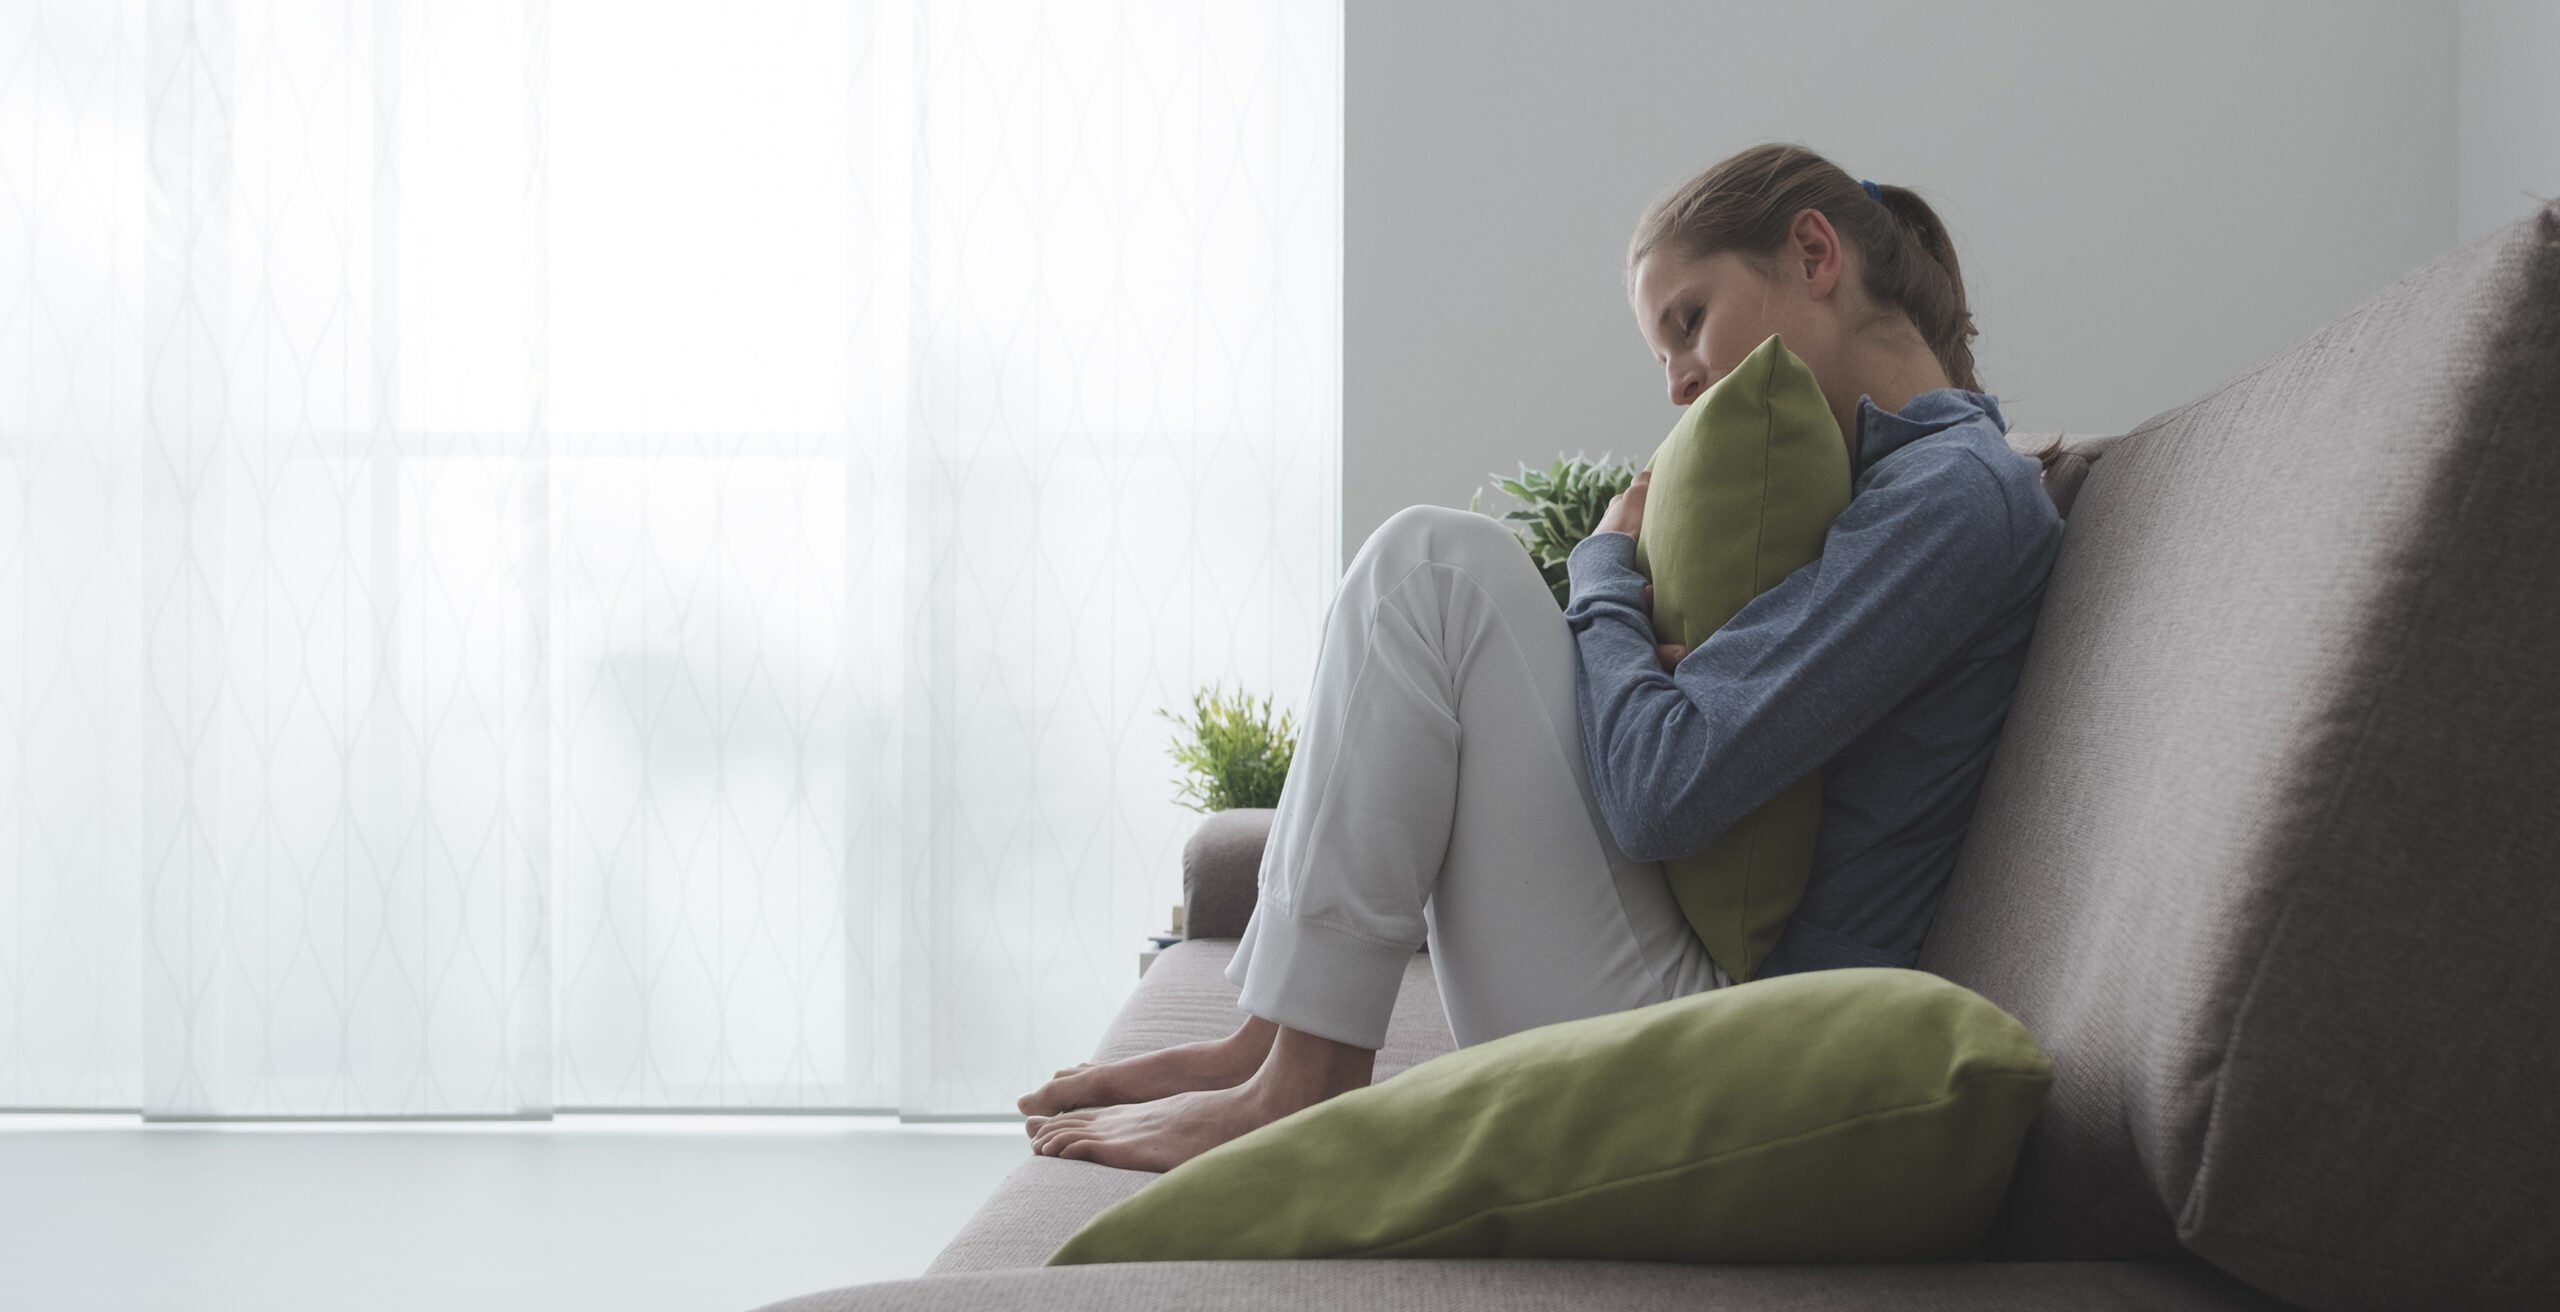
(1814, 254)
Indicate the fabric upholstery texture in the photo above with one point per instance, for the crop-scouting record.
(1222, 871)
(1862, 1115)
(2267, 856)
(1528, 1285)
(1742, 493)
(1032, 1211)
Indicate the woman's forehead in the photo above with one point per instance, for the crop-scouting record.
(1665, 273)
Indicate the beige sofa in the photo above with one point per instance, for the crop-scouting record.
(2269, 857)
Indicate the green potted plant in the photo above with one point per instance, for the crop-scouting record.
(1235, 754)
(1232, 751)
(1559, 507)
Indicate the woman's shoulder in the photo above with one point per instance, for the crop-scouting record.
(1951, 446)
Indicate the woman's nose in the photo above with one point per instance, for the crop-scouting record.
(1686, 382)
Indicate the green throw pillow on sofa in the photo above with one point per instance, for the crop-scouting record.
(1743, 491)
(1833, 1116)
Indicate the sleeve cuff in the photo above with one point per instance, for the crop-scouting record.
(1313, 977)
(1603, 569)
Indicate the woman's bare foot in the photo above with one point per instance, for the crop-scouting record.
(1158, 1135)
(1184, 1068)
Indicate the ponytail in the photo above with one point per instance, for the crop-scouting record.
(1924, 280)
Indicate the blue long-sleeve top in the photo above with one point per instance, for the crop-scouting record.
(1887, 663)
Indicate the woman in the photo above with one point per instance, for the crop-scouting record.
(1501, 781)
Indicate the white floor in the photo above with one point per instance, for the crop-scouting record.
(629, 1213)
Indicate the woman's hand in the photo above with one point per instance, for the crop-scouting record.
(1669, 653)
(1626, 510)
(1626, 515)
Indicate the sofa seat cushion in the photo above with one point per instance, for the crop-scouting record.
(1032, 1211)
(1463, 1285)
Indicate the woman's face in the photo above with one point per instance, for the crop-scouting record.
(1702, 315)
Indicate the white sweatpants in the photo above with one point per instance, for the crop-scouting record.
(1439, 794)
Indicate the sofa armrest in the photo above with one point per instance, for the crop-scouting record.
(1222, 872)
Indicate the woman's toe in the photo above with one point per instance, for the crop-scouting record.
(1057, 1130)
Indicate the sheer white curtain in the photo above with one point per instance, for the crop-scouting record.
(571, 553)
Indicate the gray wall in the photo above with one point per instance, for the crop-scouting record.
(2147, 198)
(2508, 108)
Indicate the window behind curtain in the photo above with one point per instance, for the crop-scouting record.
(582, 554)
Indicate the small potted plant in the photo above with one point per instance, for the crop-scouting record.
(1235, 754)
(1559, 506)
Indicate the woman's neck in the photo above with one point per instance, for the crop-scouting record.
(1889, 368)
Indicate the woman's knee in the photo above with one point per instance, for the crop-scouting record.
(1439, 533)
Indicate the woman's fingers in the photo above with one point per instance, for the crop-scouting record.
(1626, 510)
(1669, 653)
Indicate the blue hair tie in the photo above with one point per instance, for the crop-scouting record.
(1873, 191)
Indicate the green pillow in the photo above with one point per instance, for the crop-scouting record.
(1743, 491)
(1833, 1116)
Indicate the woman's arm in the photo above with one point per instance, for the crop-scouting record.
(1918, 564)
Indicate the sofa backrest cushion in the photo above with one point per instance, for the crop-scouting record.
(2269, 854)
(2070, 468)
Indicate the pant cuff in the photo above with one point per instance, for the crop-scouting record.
(1318, 979)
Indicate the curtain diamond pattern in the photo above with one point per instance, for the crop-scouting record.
(578, 554)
